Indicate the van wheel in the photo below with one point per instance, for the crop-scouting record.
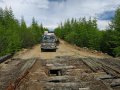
(54, 50)
(42, 50)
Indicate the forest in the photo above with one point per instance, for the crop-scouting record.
(15, 35)
(85, 33)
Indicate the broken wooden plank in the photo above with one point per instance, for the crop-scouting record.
(89, 64)
(110, 69)
(105, 77)
(61, 67)
(27, 66)
(68, 84)
(107, 85)
(115, 83)
(58, 78)
(84, 88)
(22, 73)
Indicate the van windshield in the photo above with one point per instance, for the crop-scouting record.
(48, 39)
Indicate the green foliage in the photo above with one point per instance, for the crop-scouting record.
(15, 35)
(111, 39)
(36, 30)
(82, 32)
(116, 51)
(71, 37)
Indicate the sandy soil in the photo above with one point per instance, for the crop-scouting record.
(37, 73)
(64, 49)
(36, 76)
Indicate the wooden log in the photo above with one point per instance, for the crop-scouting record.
(115, 83)
(4, 58)
(110, 69)
(108, 86)
(22, 73)
(89, 64)
(27, 66)
(60, 67)
(106, 77)
(68, 84)
(58, 78)
(84, 88)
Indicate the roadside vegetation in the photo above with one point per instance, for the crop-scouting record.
(15, 35)
(85, 33)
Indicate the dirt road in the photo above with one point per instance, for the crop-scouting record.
(39, 71)
(38, 75)
(64, 49)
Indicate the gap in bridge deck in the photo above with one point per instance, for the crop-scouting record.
(55, 81)
(57, 72)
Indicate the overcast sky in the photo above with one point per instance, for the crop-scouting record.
(51, 12)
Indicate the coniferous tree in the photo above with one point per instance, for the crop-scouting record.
(15, 35)
(82, 32)
(111, 39)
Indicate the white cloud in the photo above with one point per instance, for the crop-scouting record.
(52, 13)
(102, 24)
